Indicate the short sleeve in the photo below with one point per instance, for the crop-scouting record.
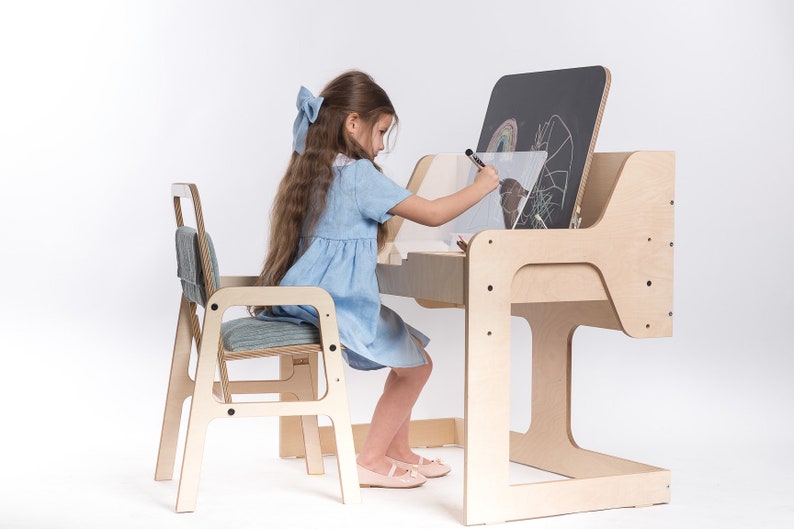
(376, 193)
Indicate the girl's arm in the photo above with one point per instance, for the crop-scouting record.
(441, 210)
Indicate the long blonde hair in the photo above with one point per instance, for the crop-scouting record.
(300, 199)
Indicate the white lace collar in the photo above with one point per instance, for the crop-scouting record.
(342, 160)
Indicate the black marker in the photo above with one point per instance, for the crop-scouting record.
(477, 162)
(474, 158)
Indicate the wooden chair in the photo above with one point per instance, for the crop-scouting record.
(218, 342)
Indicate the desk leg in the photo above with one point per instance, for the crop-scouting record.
(486, 403)
(597, 481)
(549, 443)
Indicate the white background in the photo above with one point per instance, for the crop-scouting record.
(104, 104)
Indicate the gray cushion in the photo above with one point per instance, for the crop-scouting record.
(249, 334)
(188, 264)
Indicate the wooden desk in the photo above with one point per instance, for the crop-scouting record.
(615, 272)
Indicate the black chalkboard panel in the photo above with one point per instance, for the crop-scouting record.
(559, 112)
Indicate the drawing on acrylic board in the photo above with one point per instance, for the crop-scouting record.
(518, 171)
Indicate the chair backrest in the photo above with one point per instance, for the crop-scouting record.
(188, 265)
(197, 264)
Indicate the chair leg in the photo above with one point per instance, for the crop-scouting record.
(346, 459)
(191, 462)
(202, 411)
(180, 387)
(339, 413)
(290, 432)
(302, 374)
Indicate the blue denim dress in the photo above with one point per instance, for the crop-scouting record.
(341, 256)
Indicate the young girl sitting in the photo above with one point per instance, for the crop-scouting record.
(326, 229)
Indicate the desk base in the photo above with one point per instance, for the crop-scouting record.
(594, 481)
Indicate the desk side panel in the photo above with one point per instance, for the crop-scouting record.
(630, 246)
(637, 229)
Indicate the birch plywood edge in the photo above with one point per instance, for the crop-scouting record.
(627, 237)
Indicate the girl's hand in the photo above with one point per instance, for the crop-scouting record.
(487, 179)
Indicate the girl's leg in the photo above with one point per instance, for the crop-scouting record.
(400, 451)
(389, 426)
(400, 448)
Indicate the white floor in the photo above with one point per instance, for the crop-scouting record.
(107, 481)
(80, 438)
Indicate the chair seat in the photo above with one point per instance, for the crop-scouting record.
(250, 334)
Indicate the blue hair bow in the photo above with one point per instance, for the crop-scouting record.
(308, 108)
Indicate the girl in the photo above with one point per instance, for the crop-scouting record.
(327, 226)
